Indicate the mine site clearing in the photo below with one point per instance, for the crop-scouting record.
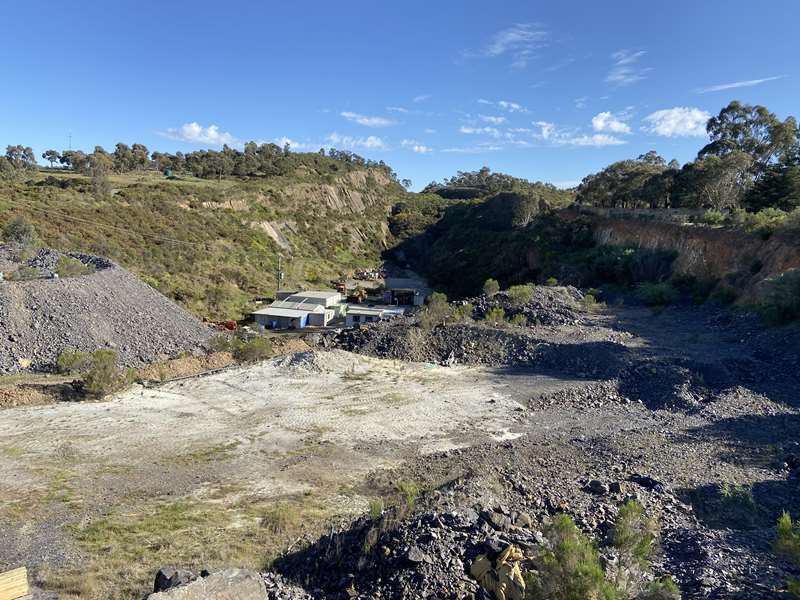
(188, 472)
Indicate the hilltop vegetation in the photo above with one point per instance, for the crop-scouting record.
(210, 244)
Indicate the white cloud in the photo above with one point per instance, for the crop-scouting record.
(194, 133)
(484, 101)
(472, 149)
(490, 131)
(606, 121)
(283, 140)
(737, 84)
(492, 120)
(430, 131)
(597, 140)
(367, 143)
(625, 71)
(681, 121)
(367, 121)
(581, 102)
(415, 146)
(421, 98)
(518, 41)
(397, 109)
(548, 132)
(511, 106)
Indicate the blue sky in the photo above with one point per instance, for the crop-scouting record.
(542, 90)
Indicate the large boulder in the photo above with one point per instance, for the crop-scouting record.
(230, 584)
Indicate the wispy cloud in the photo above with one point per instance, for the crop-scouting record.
(491, 119)
(397, 109)
(625, 69)
(560, 65)
(511, 106)
(581, 102)
(415, 146)
(194, 133)
(367, 121)
(421, 98)
(737, 84)
(490, 131)
(681, 121)
(430, 130)
(608, 122)
(519, 42)
(472, 149)
(364, 143)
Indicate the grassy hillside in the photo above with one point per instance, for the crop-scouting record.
(213, 245)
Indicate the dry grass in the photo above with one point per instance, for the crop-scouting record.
(123, 551)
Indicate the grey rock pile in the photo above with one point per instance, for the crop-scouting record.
(109, 308)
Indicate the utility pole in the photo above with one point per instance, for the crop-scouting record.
(279, 277)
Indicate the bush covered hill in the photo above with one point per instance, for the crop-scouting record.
(213, 244)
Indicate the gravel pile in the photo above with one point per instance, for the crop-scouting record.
(548, 306)
(109, 308)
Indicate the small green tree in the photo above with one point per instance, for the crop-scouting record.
(436, 312)
(254, 350)
(569, 566)
(19, 231)
(491, 287)
(103, 377)
(787, 544)
(520, 295)
(496, 316)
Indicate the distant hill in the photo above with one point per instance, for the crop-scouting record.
(213, 244)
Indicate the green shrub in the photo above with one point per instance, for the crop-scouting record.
(19, 231)
(409, 492)
(491, 287)
(102, 376)
(569, 566)
(551, 282)
(713, 217)
(254, 350)
(73, 362)
(787, 544)
(26, 273)
(657, 294)
(663, 588)
(376, 506)
(782, 302)
(436, 312)
(635, 535)
(463, 313)
(791, 224)
(496, 316)
(520, 295)
(519, 320)
(221, 343)
(72, 267)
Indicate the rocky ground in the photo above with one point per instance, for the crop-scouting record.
(107, 308)
(691, 411)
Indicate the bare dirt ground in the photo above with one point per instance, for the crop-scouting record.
(307, 426)
(233, 467)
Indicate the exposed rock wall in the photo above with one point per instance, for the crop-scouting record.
(706, 252)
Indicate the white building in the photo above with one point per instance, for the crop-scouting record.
(356, 315)
(300, 310)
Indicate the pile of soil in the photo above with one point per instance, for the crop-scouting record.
(106, 308)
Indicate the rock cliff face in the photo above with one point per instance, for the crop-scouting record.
(708, 253)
